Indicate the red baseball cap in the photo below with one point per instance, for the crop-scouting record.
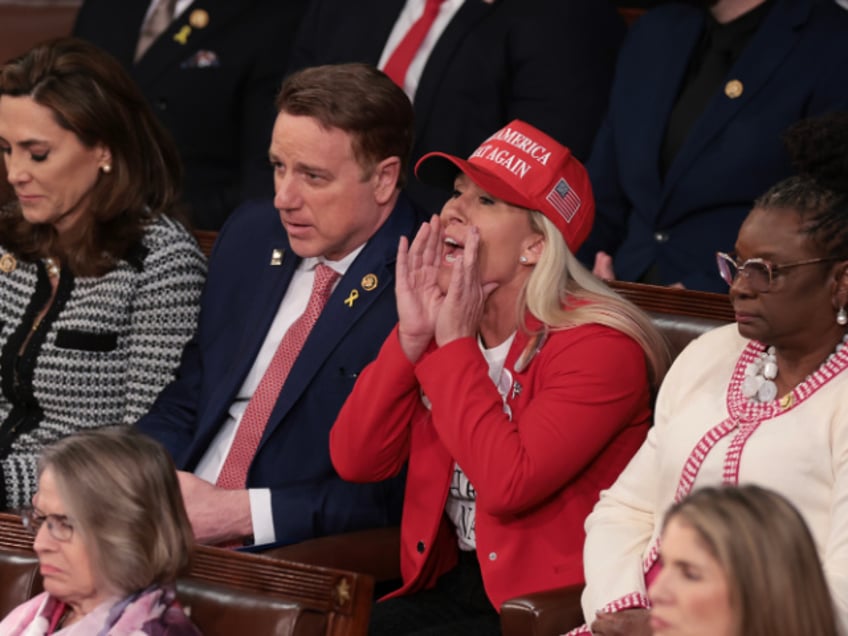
(523, 166)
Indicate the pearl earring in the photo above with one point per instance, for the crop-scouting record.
(106, 168)
(522, 260)
(842, 317)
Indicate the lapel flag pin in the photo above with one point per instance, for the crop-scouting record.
(277, 257)
(369, 282)
(354, 294)
(198, 19)
(734, 89)
(8, 263)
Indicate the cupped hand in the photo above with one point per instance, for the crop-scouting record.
(603, 268)
(416, 288)
(461, 311)
(632, 622)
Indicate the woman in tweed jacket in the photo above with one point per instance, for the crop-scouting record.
(99, 284)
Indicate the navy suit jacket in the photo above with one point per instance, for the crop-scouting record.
(548, 62)
(241, 297)
(214, 92)
(793, 67)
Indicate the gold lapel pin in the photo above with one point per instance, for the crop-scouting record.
(277, 257)
(182, 35)
(198, 19)
(369, 282)
(354, 294)
(734, 89)
(8, 263)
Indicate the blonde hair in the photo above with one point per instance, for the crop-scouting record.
(775, 579)
(121, 490)
(563, 294)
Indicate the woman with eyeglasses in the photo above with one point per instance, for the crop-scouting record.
(515, 387)
(762, 401)
(111, 535)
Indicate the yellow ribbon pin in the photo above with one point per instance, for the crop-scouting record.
(182, 35)
(354, 294)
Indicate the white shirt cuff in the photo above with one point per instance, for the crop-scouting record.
(261, 515)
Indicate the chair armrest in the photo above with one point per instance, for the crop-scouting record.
(375, 552)
(548, 613)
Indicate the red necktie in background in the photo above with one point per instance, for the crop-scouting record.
(234, 471)
(398, 63)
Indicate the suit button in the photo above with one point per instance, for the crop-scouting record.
(161, 104)
(420, 547)
(661, 237)
(492, 556)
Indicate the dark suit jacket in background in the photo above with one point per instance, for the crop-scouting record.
(215, 93)
(242, 294)
(793, 67)
(548, 62)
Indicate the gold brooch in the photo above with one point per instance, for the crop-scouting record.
(8, 263)
(733, 89)
(787, 400)
(198, 19)
(369, 282)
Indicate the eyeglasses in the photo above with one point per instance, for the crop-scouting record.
(59, 527)
(759, 272)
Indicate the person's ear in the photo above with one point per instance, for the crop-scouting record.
(385, 179)
(532, 250)
(104, 159)
(840, 286)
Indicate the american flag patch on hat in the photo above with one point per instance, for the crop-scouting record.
(564, 199)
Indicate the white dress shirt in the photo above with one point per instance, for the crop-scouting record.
(291, 307)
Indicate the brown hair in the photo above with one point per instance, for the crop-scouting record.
(360, 100)
(121, 490)
(91, 95)
(773, 572)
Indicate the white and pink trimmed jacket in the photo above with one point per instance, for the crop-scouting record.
(706, 433)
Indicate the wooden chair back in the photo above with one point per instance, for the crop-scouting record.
(226, 592)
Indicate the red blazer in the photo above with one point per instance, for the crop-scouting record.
(579, 411)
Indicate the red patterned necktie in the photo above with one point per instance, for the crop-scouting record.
(398, 63)
(234, 471)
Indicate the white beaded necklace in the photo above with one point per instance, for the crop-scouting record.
(759, 385)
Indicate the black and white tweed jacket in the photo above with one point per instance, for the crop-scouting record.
(101, 354)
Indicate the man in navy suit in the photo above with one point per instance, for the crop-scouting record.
(211, 78)
(483, 64)
(339, 149)
(687, 146)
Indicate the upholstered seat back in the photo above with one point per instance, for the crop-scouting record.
(19, 579)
